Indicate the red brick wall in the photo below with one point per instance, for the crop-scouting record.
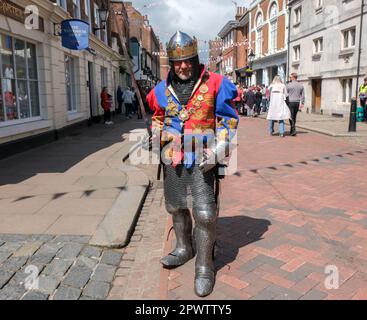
(281, 32)
(281, 26)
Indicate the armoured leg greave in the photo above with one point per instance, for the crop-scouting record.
(205, 235)
(182, 225)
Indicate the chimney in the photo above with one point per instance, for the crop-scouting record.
(146, 20)
(240, 12)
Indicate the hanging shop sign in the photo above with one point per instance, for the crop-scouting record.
(75, 34)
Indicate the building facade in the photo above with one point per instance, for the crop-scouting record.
(242, 52)
(268, 20)
(233, 56)
(143, 42)
(228, 58)
(150, 61)
(324, 48)
(164, 63)
(215, 54)
(46, 88)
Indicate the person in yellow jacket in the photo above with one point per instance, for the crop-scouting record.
(363, 97)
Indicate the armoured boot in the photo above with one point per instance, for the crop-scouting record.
(182, 225)
(205, 235)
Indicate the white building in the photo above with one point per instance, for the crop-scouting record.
(46, 88)
(324, 50)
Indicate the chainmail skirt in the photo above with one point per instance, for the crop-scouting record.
(188, 188)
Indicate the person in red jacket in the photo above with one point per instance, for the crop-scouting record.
(106, 105)
(238, 101)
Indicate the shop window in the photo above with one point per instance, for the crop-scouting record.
(19, 94)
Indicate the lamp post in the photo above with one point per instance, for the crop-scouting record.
(103, 13)
(249, 71)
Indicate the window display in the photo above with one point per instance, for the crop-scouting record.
(19, 96)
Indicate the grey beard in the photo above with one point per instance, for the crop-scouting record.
(185, 78)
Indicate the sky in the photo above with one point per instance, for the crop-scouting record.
(203, 18)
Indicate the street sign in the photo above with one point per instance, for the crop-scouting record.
(75, 34)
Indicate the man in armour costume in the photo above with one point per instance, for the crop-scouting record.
(193, 105)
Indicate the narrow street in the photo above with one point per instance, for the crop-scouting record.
(83, 86)
(295, 206)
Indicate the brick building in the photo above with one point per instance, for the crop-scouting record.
(164, 63)
(268, 39)
(143, 42)
(215, 50)
(242, 31)
(150, 61)
(234, 36)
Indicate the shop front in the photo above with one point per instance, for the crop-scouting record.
(46, 89)
(266, 68)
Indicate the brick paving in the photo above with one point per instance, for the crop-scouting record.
(295, 207)
(139, 274)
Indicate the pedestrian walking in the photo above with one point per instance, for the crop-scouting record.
(238, 100)
(135, 102)
(278, 109)
(120, 100)
(128, 97)
(296, 95)
(258, 99)
(264, 102)
(363, 98)
(250, 101)
(243, 107)
(106, 105)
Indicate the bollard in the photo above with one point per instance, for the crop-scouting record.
(353, 116)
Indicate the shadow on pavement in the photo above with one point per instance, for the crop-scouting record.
(235, 233)
(59, 156)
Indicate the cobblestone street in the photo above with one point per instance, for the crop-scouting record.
(68, 268)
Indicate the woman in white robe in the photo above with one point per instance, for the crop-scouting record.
(278, 109)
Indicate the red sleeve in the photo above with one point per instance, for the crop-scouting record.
(158, 116)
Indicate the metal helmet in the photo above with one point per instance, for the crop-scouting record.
(182, 47)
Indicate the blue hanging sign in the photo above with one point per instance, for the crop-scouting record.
(75, 34)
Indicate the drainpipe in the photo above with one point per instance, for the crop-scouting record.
(360, 49)
(289, 41)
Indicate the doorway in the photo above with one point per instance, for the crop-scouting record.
(316, 95)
